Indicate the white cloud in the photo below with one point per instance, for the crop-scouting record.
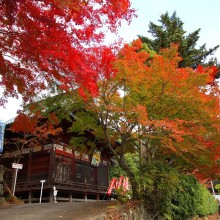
(10, 109)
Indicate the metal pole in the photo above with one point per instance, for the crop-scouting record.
(41, 191)
(212, 188)
(16, 173)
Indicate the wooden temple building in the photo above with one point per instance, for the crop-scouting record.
(75, 175)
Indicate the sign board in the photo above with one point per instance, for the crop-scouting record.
(2, 131)
(58, 147)
(48, 146)
(96, 158)
(17, 166)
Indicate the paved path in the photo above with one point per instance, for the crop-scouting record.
(54, 211)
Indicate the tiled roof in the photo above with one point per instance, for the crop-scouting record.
(10, 120)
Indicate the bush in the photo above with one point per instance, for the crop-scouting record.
(193, 199)
(172, 195)
(122, 195)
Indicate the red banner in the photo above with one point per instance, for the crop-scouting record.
(125, 183)
(119, 182)
(111, 186)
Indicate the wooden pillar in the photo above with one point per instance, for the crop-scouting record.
(70, 197)
(51, 196)
(29, 196)
(2, 200)
(73, 167)
(85, 196)
(52, 168)
(97, 197)
(85, 192)
(29, 165)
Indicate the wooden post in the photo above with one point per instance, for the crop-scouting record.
(85, 196)
(2, 170)
(51, 196)
(97, 197)
(73, 168)
(85, 192)
(70, 197)
(29, 165)
(30, 196)
(52, 164)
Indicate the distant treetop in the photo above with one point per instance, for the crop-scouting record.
(171, 31)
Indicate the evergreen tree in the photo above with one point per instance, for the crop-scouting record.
(171, 31)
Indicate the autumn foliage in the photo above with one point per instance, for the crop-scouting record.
(142, 102)
(35, 125)
(168, 113)
(30, 130)
(54, 44)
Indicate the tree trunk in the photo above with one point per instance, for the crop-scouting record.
(2, 201)
(123, 165)
(132, 179)
(13, 198)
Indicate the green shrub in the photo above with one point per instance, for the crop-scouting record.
(172, 195)
(217, 187)
(131, 160)
(122, 195)
(159, 184)
(192, 199)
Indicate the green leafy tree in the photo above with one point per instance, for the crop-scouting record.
(172, 195)
(171, 31)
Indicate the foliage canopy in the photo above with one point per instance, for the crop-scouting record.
(54, 43)
(169, 31)
(153, 107)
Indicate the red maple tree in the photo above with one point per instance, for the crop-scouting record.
(29, 131)
(54, 43)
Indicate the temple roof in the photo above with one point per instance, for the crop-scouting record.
(10, 120)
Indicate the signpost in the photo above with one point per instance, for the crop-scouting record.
(41, 191)
(2, 131)
(55, 194)
(17, 167)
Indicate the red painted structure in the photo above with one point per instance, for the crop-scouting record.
(75, 175)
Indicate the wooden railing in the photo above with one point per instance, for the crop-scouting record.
(60, 185)
(31, 185)
(83, 187)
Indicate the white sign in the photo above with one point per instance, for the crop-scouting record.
(41, 191)
(96, 158)
(2, 131)
(58, 147)
(17, 166)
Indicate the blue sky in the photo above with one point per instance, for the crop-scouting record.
(204, 14)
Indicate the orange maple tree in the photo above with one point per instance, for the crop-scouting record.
(149, 105)
(146, 104)
(29, 131)
(181, 105)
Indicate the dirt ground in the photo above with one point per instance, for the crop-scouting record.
(70, 211)
(53, 211)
